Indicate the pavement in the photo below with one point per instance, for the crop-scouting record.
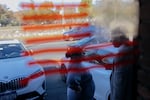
(56, 88)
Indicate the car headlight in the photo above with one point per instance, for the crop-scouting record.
(36, 74)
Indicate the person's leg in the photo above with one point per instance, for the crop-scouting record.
(88, 91)
(130, 84)
(118, 85)
(111, 85)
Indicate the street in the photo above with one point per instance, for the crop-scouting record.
(56, 88)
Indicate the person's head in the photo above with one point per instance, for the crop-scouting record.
(119, 37)
(74, 52)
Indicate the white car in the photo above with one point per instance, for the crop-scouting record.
(79, 31)
(101, 76)
(14, 70)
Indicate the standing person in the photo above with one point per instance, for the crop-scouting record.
(121, 77)
(80, 85)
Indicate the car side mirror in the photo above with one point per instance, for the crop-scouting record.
(30, 52)
(107, 61)
(27, 53)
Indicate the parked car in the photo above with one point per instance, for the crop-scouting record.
(79, 31)
(14, 70)
(88, 41)
(85, 41)
(101, 76)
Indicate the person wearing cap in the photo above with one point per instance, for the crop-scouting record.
(121, 77)
(80, 85)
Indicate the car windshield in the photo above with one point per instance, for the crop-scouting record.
(10, 50)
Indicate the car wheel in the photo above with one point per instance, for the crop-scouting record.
(63, 76)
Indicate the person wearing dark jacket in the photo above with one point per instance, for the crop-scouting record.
(121, 77)
(80, 85)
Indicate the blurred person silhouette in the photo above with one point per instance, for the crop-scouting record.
(122, 74)
(80, 85)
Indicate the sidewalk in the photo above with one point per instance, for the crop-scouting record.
(56, 88)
